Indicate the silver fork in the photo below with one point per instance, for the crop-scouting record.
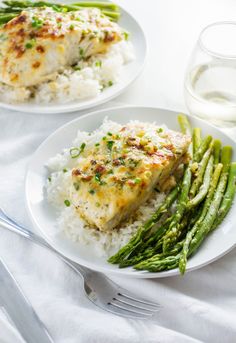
(98, 288)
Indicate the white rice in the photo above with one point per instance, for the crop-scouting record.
(95, 75)
(58, 189)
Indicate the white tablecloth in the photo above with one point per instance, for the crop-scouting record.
(201, 306)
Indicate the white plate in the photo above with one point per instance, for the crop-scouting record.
(129, 73)
(43, 217)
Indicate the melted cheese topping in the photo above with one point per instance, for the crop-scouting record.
(116, 175)
(40, 41)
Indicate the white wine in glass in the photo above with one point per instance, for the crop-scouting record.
(210, 82)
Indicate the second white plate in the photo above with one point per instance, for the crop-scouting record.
(129, 73)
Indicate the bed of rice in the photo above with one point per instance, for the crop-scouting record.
(58, 189)
(94, 75)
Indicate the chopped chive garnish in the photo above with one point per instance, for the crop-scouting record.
(110, 172)
(67, 203)
(126, 35)
(76, 185)
(137, 180)
(104, 138)
(71, 27)
(49, 179)
(65, 170)
(81, 51)
(97, 144)
(75, 152)
(30, 44)
(110, 145)
(160, 130)
(77, 68)
(109, 133)
(91, 191)
(97, 177)
(98, 63)
(122, 161)
(110, 83)
(97, 204)
(83, 145)
(37, 23)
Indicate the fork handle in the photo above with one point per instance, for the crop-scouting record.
(11, 225)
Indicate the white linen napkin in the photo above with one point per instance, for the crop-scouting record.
(201, 305)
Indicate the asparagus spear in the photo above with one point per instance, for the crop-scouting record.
(202, 148)
(184, 124)
(216, 151)
(174, 232)
(107, 10)
(228, 196)
(144, 229)
(196, 139)
(157, 264)
(201, 171)
(5, 18)
(28, 3)
(204, 187)
(185, 252)
(212, 212)
(98, 4)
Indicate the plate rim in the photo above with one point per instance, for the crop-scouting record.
(76, 107)
(123, 271)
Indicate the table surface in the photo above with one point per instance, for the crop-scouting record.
(201, 305)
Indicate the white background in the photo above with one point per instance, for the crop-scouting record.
(201, 305)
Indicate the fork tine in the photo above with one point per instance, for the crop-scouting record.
(141, 301)
(127, 312)
(127, 303)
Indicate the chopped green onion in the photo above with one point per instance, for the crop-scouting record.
(160, 130)
(67, 203)
(76, 185)
(30, 44)
(98, 63)
(97, 204)
(109, 133)
(83, 145)
(37, 23)
(77, 68)
(137, 180)
(49, 179)
(81, 52)
(110, 83)
(126, 35)
(97, 177)
(104, 138)
(97, 144)
(91, 191)
(110, 145)
(71, 27)
(74, 152)
(65, 170)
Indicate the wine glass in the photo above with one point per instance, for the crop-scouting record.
(210, 82)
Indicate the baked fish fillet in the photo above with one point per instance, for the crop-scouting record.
(40, 42)
(118, 173)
